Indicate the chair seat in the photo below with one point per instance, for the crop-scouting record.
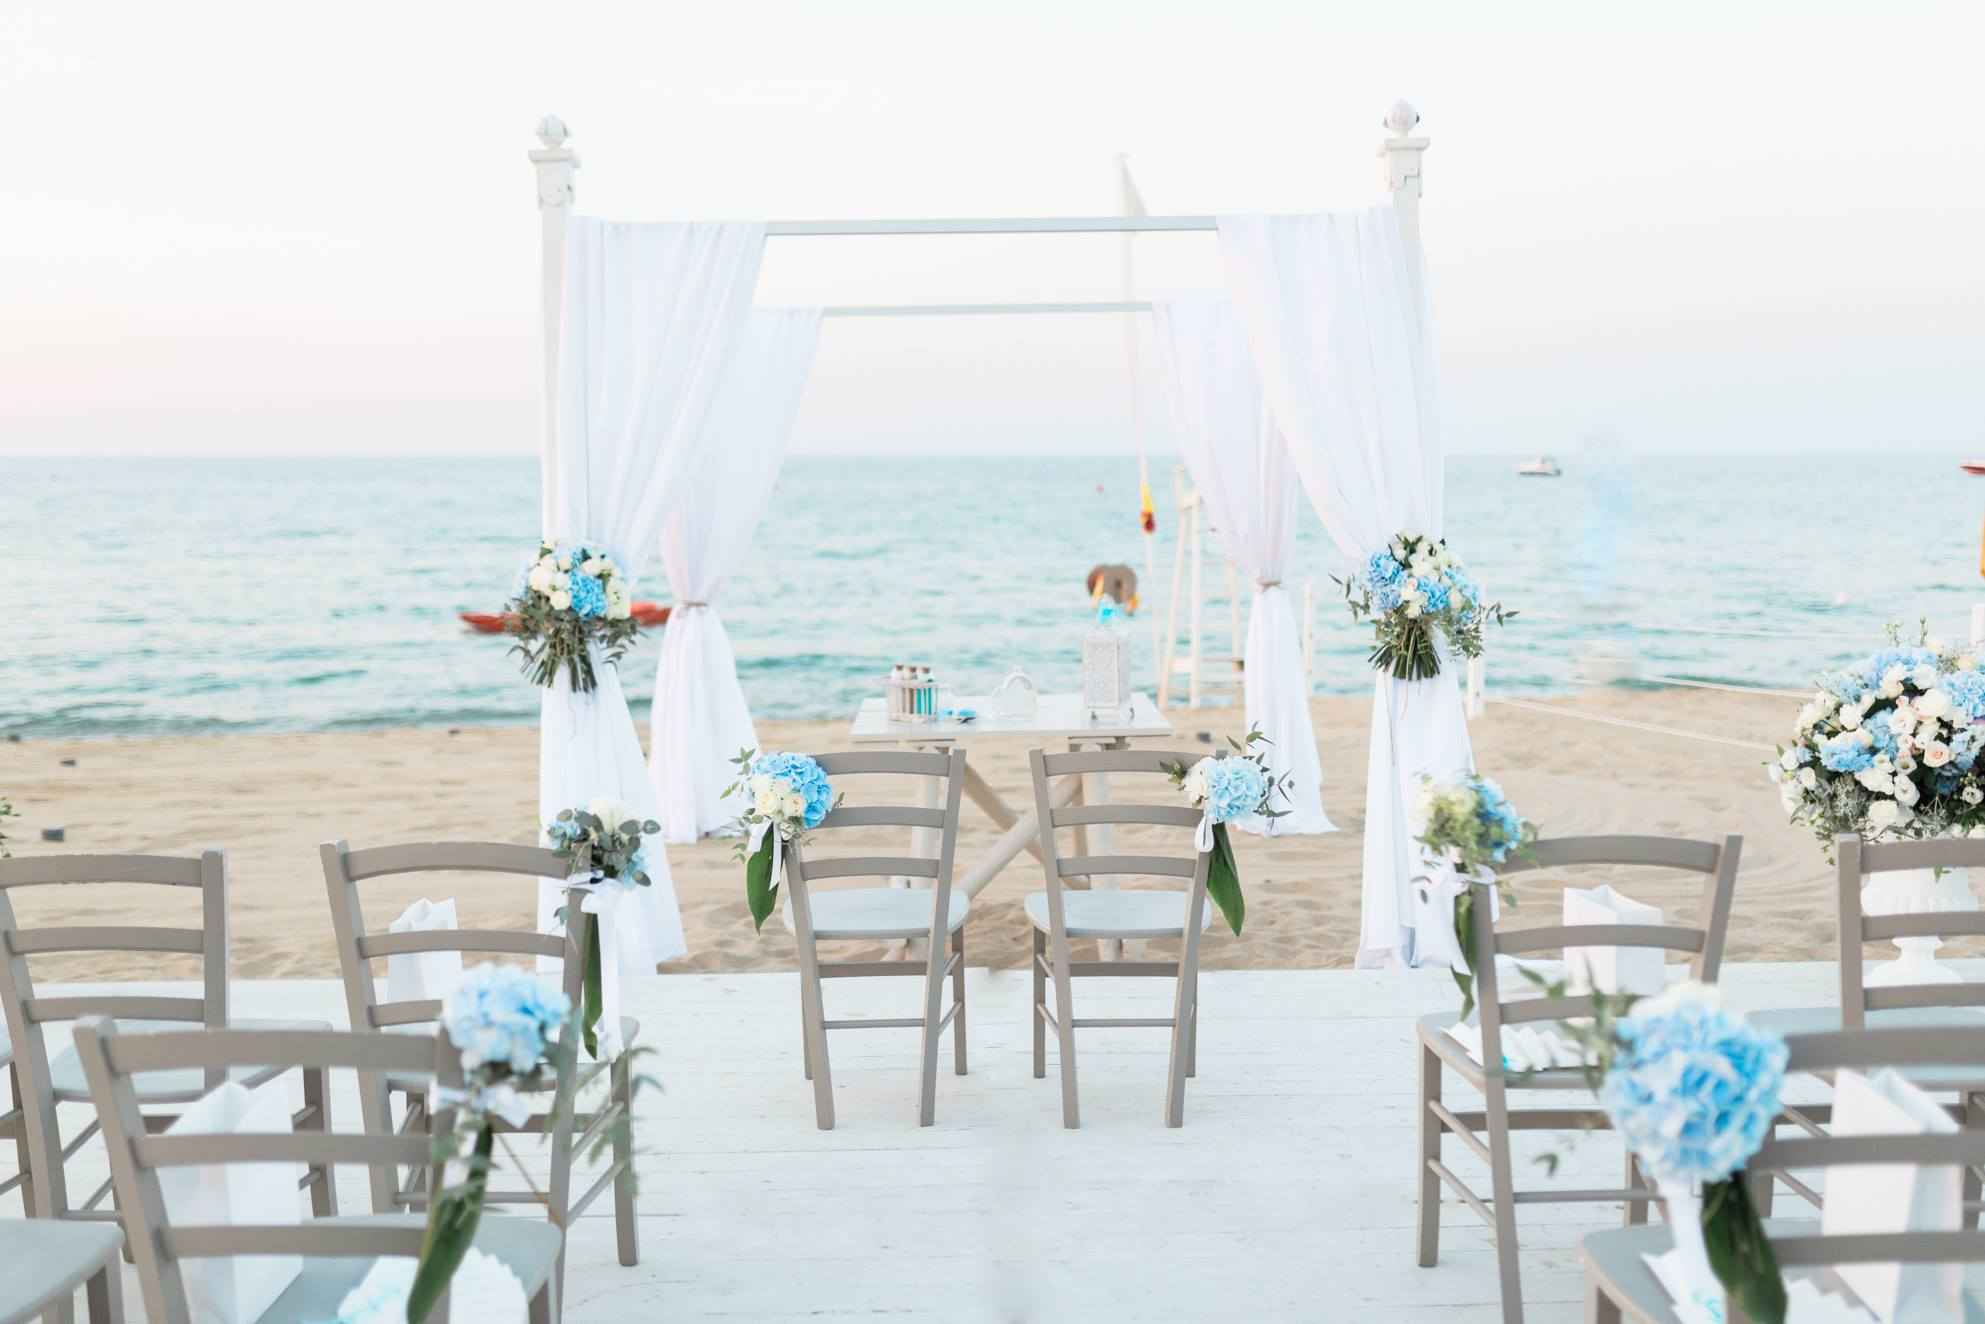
(527, 1246)
(177, 1085)
(880, 912)
(417, 1083)
(1114, 913)
(1433, 1033)
(1820, 1020)
(1614, 1257)
(49, 1258)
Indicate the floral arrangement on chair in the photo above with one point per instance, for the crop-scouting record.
(788, 795)
(1225, 787)
(6, 812)
(1412, 588)
(571, 597)
(1467, 826)
(1694, 1092)
(604, 850)
(1889, 747)
(506, 1025)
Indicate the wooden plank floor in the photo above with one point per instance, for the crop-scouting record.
(1288, 1195)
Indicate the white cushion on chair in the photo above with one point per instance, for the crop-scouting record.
(1110, 913)
(879, 912)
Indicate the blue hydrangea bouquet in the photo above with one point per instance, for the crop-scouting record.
(1412, 588)
(786, 796)
(1467, 827)
(506, 1025)
(605, 852)
(1889, 747)
(571, 597)
(1225, 787)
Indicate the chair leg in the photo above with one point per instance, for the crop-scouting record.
(1636, 1209)
(317, 1100)
(1192, 1031)
(1430, 1152)
(1974, 1117)
(626, 1229)
(806, 1041)
(958, 1000)
(1071, 1114)
(1599, 1308)
(1034, 1012)
(816, 1036)
(933, 1012)
(541, 1306)
(1175, 1073)
(1503, 1182)
(105, 1293)
(21, 1153)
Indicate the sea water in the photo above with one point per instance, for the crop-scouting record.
(163, 596)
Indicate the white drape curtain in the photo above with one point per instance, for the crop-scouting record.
(700, 721)
(1335, 313)
(652, 315)
(1240, 465)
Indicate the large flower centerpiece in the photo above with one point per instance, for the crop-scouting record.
(1412, 589)
(786, 796)
(1226, 787)
(1466, 826)
(1888, 748)
(606, 854)
(572, 598)
(505, 1024)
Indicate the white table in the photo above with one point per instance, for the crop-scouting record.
(1058, 718)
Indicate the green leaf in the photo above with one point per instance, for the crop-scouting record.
(1464, 933)
(1734, 1236)
(595, 998)
(451, 1227)
(761, 889)
(1223, 880)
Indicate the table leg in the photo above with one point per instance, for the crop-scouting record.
(1023, 835)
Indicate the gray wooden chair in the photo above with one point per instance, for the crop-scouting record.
(47, 1259)
(1618, 1284)
(358, 948)
(14, 1125)
(1061, 915)
(935, 916)
(1485, 1132)
(48, 1080)
(337, 1252)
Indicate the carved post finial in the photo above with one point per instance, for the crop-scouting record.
(1401, 150)
(552, 131)
(1401, 118)
(555, 163)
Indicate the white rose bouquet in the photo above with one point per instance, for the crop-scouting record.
(787, 796)
(571, 597)
(1225, 788)
(1888, 748)
(1411, 589)
(605, 850)
(1466, 826)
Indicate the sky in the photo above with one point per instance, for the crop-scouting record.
(281, 229)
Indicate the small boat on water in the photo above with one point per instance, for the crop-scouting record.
(1541, 467)
(646, 614)
(1973, 467)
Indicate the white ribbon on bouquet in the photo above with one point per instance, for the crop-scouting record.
(1202, 836)
(758, 831)
(1434, 895)
(600, 897)
(1684, 1272)
(501, 1100)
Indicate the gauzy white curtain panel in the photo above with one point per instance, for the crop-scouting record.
(1335, 312)
(1241, 466)
(651, 317)
(700, 721)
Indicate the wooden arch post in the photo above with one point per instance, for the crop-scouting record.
(554, 162)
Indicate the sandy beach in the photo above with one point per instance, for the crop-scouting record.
(269, 800)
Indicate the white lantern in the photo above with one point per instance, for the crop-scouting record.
(1105, 671)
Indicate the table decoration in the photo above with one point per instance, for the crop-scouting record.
(786, 796)
(1465, 826)
(604, 847)
(1225, 787)
(572, 598)
(1411, 589)
(1106, 664)
(1017, 695)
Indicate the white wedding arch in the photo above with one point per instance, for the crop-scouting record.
(1317, 361)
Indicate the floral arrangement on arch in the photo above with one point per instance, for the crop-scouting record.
(571, 598)
(1410, 590)
(1226, 787)
(1889, 747)
(786, 796)
(1467, 826)
(606, 853)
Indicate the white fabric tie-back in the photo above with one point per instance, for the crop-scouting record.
(1332, 308)
(1241, 467)
(700, 721)
(652, 315)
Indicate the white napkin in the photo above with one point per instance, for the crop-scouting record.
(235, 1289)
(1693, 1305)
(1805, 1301)
(418, 976)
(1894, 1197)
(483, 1290)
(1612, 969)
(1525, 1047)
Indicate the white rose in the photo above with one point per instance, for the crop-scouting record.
(1972, 795)
(1850, 718)
(1893, 680)
(1936, 754)
(1903, 711)
(1934, 703)
(1195, 781)
(1398, 550)
(590, 567)
(793, 805)
(1924, 677)
(1865, 737)
(1904, 762)
(1413, 609)
(1905, 791)
(548, 563)
(1788, 799)
(619, 610)
(564, 561)
(766, 800)
(561, 600)
(541, 579)
(1808, 778)
(1789, 759)
(1884, 814)
(1875, 780)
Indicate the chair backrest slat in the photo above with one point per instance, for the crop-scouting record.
(165, 870)
(1115, 760)
(105, 938)
(869, 866)
(1858, 862)
(1668, 937)
(316, 1240)
(1160, 815)
(1162, 866)
(124, 1006)
(1923, 995)
(463, 856)
(910, 816)
(905, 762)
(174, 1151)
(512, 942)
(132, 1054)
(1620, 849)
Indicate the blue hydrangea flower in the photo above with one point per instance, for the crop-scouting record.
(1693, 1090)
(1966, 746)
(1383, 571)
(1235, 788)
(1435, 593)
(1880, 726)
(589, 598)
(1463, 586)
(1387, 597)
(1967, 691)
(800, 774)
(1801, 756)
(1846, 753)
(1495, 810)
(499, 1014)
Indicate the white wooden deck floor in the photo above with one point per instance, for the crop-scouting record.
(1288, 1195)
